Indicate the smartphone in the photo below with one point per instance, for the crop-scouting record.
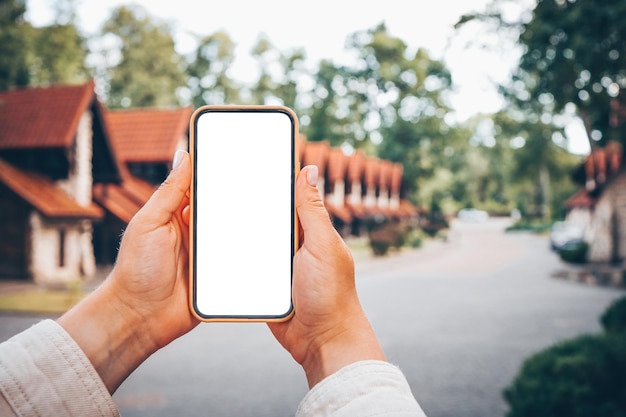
(243, 225)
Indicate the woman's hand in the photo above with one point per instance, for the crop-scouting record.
(143, 304)
(329, 329)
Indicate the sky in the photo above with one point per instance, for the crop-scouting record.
(321, 28)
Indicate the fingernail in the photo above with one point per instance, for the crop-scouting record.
(311, 175)
(178, 158)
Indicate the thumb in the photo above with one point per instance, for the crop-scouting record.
(167, 199)
(314, 218)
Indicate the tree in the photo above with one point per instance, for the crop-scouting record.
(58, 55)
(207, 71)
(574, 54)
(537, 159)
(13, 44)
(279, 74)
(389, 103)
(40, 55)
(150, 71)
(541, 95)
(398, 99)
(322, 114)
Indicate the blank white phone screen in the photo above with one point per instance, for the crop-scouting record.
(244, 213)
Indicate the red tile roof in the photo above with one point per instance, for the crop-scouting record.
(44, 195)
(580, 199)
(356, 166)
(147, 135)
(300, 145)
(316, 153)
(42, 117)
(337, 165)
(372, 171)
(396, 177)
(124, 200)
(386, 171)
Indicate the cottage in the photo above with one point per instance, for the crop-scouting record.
(357, 189)
(144, 141)
(73, 174)
(354, 191)
(53, 148)
(335, 198)
(600, 207)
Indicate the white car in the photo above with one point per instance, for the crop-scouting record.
(564, 232)
(473, 215)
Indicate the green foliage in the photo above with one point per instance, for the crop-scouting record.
(574, 55)
(208, 80)
(581, 377)
(540, 168)
(533, 226)
(415, 238)
(575, 52)
(614, 318)
(277, 83)
(14, 44)
(325, 120)
(574, 252)
(150, 71)
(39, 56)
(387, 235)
(59, 56)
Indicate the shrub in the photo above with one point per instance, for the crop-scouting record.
(529, 226)
(614, 318)
(386, 235)
(414, 239)
(582, 377)
(574, 252)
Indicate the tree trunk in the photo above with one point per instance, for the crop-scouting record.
(544, 193)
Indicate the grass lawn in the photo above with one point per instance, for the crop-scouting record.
(40, 301)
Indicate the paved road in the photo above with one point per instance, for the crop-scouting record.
(458, 317)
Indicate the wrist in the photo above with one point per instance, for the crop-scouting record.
(109, 333)
(353, 343)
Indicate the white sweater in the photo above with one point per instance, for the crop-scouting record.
(43, 372)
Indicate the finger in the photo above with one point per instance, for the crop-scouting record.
(314, 218)
(167, 199)
(185, 215)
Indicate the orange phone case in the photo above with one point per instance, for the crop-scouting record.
(192, 214)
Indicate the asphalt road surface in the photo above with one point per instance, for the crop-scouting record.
(458, 317)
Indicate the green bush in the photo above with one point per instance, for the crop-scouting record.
(387, 235)
(614, 318)
(582, 377)
(574, 252)
(414, 239)
(530, 226)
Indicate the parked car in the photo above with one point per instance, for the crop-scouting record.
(473, 215)
(565, 232)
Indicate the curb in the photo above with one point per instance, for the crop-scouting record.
(599, 275)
